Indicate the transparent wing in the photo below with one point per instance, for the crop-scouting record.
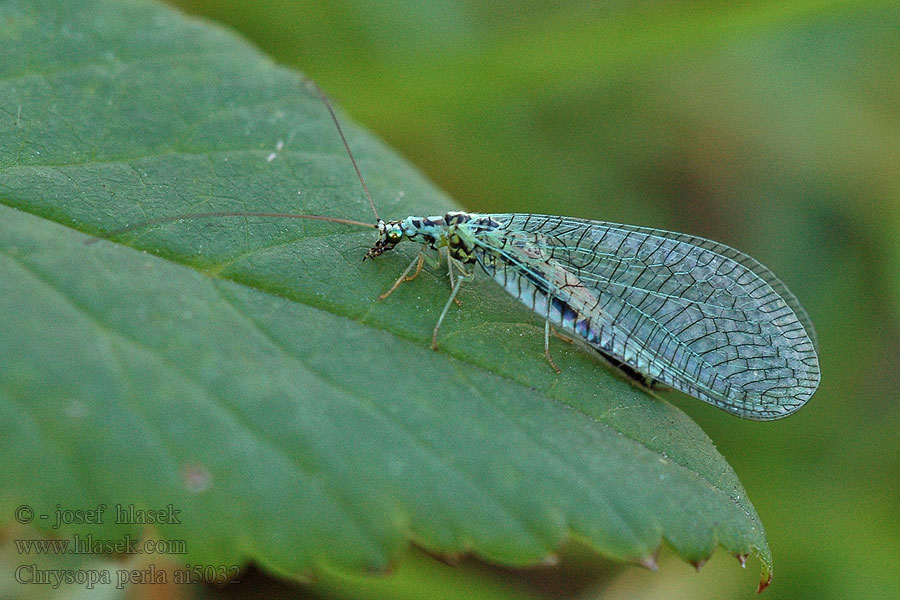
(697, 315)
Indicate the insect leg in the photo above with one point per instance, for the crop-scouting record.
(561, 337)
(456, 285)
(417, 262)
(418, 266)
(450, 274)
(547, 346)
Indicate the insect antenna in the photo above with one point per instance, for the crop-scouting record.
(200, 215)
(181, 217)
(337, 124)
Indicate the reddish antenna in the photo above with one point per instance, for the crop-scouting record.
(181, 217)
(201, 215)
(346, 145)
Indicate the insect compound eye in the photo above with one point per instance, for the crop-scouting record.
(394, 234)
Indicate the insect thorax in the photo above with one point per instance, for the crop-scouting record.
(457, 231)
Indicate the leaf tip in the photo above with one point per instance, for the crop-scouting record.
(764, 582)
(649, 561)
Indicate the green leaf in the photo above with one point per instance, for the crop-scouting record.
(242, 370)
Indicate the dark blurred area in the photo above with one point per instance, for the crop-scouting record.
(773, 127)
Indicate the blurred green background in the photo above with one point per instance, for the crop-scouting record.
(771, 126)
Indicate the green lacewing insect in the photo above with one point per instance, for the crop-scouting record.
(663, 307)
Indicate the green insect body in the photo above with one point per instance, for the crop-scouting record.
(694, 314)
